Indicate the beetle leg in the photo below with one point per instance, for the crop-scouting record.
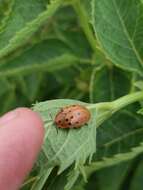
(51, 116)
(57, 129)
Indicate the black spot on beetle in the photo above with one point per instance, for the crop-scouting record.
(72, 117)
(59, 121)
(67, 120)
(69, 123)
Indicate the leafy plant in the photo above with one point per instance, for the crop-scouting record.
(70, 52)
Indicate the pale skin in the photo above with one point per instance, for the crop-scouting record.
(21, 137)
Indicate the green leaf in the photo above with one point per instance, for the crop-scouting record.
(87, 5)
(139, 84)
(140, 111)
(26, 19)
(5, 12)
(108, 83)
(118, 27)
(55, 182)
(49, 55)
(103, 179)
(72, 178)
(137, 180)
(7, 95)
(67, 146)
(80, 10)
(30, 83)
(80, 184)
(113, 139)
(41, 179)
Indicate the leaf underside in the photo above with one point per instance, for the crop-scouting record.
(64, 147)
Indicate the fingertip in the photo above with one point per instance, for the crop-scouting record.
(21, 137)
(33, 118)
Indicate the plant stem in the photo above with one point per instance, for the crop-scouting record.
(84, 22)
(126, 100)
(107, 109)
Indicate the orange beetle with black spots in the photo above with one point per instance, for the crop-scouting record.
(73, 116)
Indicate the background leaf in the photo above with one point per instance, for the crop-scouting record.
(5, 11)
(22, 25)
(136, 182)
(103, 179)
(118, 27)
(114, 137)
(108, 83)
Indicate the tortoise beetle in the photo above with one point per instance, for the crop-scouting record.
(72, 116)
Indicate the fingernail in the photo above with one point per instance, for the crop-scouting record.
(9, 116)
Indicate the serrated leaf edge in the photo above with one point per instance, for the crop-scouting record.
(118, 158)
